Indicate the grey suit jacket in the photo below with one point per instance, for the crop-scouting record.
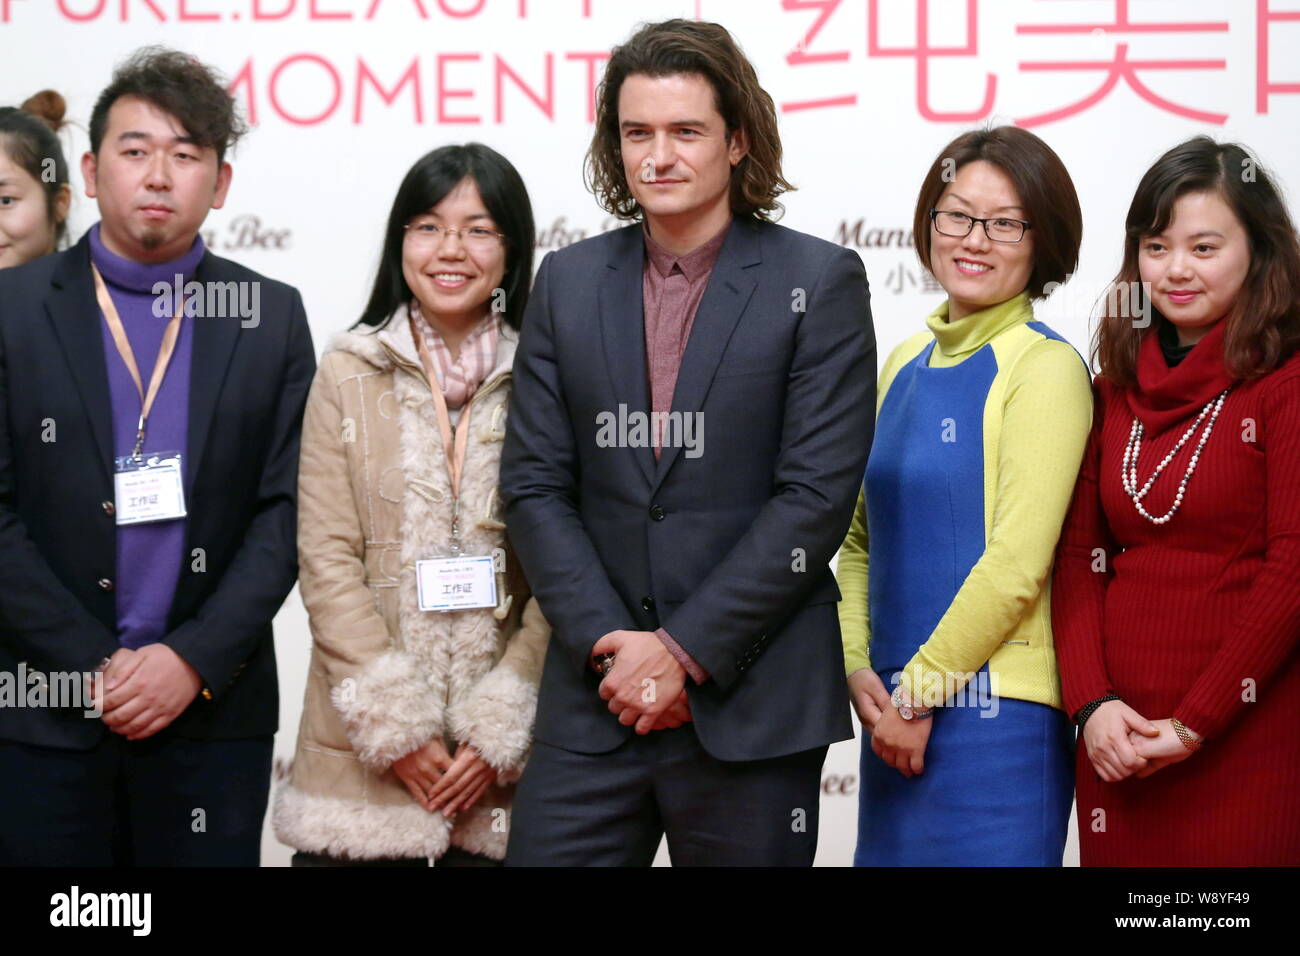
(727, 543)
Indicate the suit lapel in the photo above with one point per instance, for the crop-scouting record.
(731, 283)
(213, 344)
(622, 329)
(74, 313)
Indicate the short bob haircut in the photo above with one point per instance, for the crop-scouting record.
(1263, 327)
(672, 48)
(1041, 181)
(433, 176)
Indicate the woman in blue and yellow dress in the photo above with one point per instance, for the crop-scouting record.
(981, 425)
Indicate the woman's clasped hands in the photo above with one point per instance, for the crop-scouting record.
(439, 781)
(1122, 743)
(899, 743)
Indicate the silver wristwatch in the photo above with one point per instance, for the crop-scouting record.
(908, 711)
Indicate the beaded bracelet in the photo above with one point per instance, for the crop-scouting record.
(1087, 709)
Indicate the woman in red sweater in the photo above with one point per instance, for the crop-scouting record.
(1176, 594)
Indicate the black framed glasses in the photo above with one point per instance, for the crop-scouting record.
(959, 224)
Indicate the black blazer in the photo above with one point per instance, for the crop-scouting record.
(248, 387)
(729, 551)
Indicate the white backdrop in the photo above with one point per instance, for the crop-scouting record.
(346, 94)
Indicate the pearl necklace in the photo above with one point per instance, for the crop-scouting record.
(1128, 471)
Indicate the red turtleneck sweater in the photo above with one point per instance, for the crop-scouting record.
(1197, 618)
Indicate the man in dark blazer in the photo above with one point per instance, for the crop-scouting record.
(698, 559)
(169, 763)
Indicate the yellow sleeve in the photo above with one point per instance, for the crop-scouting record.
(851, 574)
(1046, 417)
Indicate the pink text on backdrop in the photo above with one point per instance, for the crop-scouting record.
(818, 18)
(453, 100)
(209, 11)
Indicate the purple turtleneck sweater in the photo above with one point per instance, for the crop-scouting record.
(149, 556)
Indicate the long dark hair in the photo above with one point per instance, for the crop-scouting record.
(1263, 328)
(27, 136)
(432, 177)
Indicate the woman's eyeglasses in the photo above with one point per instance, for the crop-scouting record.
(959, 225)
(425, 234)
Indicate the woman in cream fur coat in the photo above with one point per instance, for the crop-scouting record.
(416, 724)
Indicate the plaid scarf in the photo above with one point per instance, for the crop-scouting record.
(459, 377)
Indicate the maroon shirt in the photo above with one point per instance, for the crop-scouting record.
(672, 287)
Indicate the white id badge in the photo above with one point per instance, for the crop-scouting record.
(149, 488)
(455, 584)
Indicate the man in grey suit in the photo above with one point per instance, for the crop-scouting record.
(691, 416)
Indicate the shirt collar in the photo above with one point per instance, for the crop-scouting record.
(695, 263)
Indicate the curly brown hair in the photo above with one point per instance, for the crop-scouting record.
(675, 47)
(1263, 328)
(179, 84)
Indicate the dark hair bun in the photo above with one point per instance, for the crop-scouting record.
(49, 107)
